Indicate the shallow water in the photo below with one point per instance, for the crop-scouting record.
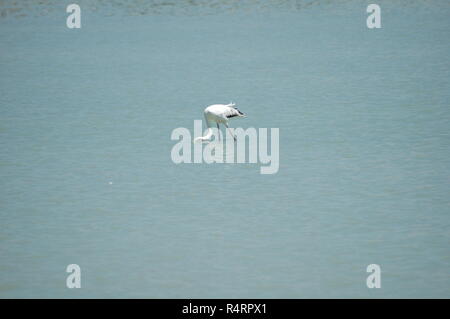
(86, 175)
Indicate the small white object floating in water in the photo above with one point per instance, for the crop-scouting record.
(219, 114)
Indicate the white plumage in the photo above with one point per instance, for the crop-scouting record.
(219, 114)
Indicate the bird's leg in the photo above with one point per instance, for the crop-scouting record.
(218, 130)
(234, 137)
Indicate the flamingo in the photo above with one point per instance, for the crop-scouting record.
(219, 113)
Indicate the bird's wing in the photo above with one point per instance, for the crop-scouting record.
(232, 112)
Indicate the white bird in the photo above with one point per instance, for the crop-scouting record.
(219, 113)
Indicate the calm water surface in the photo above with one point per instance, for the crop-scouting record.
(86, 175)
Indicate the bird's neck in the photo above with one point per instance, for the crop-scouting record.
(209, 133)
(207, 137)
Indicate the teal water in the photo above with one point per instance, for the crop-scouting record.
(86, 175)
